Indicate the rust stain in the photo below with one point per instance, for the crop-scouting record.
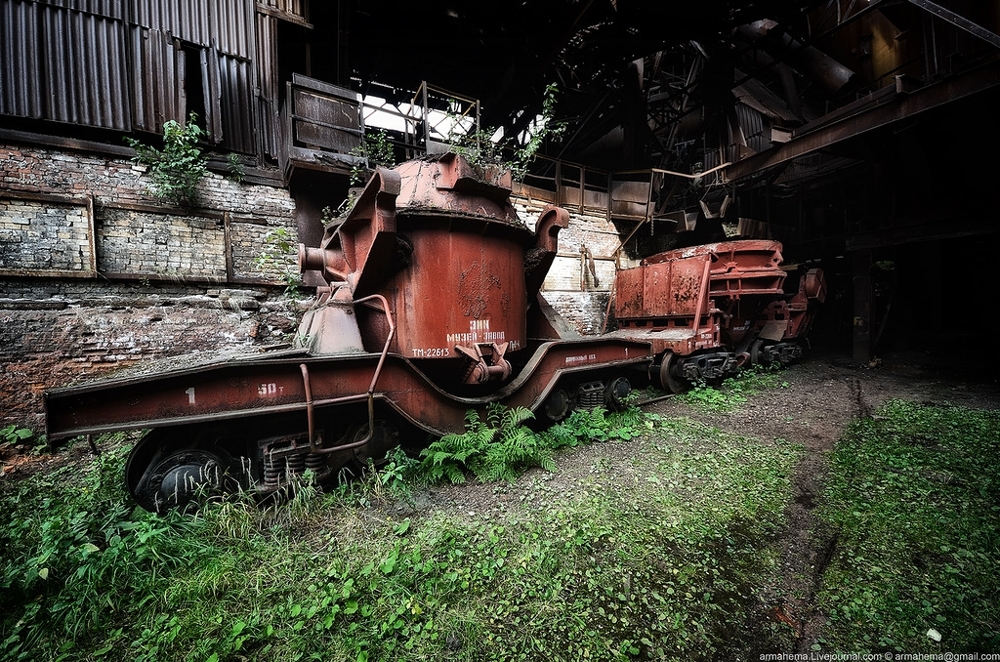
(778, 613)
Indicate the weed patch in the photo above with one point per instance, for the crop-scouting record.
(914, 495)
(176, 170)
(500, 447)
(651, 557)
(13, 437)
(734, 391)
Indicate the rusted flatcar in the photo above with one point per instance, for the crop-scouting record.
(429, 308)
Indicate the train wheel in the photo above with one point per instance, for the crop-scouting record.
(557, 405)
(668, 380)
(180, 479)
(139, 460)
(362, 455)
(384, 439)
(616, 393)
(757, 356)
(160, 478)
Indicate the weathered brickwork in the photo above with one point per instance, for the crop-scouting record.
(62, 332)
(255, 256)
(131, 232)
(117, 183)
(44, 234)
(584, 310)
(570, 287)
(96, 274)
(133, 242)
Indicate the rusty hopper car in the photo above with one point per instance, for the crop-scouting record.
(782, 327)
(430, 308)
(709, 310)
(762, 322)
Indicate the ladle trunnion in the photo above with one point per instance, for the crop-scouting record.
(430, 307)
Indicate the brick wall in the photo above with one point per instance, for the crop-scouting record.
(68, 214)
(135, 242)
(570, 287)
(58, 333)
(96, 274)
(44, 233)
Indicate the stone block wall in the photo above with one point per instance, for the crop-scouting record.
(97, 274)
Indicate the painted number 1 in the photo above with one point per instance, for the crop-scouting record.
(190, 395)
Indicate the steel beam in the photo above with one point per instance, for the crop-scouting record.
(903, 105)
(958, 21)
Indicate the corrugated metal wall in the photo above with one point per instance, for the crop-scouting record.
(61, 62)
(223, 32)
(121, 64)
(20, 59)
(236, 103)
(156, 67)
(233, 25)
(270, 131)
(757, 134)
(224, 24)
(107, 8)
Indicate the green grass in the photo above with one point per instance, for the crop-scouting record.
(651, 557)
(914, 493)
(733, 391)
(662, 546)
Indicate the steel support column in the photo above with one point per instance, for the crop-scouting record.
(862, 305)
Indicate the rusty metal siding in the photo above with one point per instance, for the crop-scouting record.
(236, 85)
(223, 24)
(156, 71)
(232, 26)
(114, 9)
(64, 65)
(20, 59)
(183, 19)
(269, 122)
(84, 58)
(224, 32)
(120, 64)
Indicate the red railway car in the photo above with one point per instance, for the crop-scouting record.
(430, 308)
(710, 309)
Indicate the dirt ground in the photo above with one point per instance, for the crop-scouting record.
(825, 392)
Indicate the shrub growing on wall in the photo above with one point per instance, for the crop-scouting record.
(176, 169)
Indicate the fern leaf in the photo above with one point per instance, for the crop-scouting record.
(484, 437)
(455, 475)
(494, 414)
(472, 422)
(515, 416)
